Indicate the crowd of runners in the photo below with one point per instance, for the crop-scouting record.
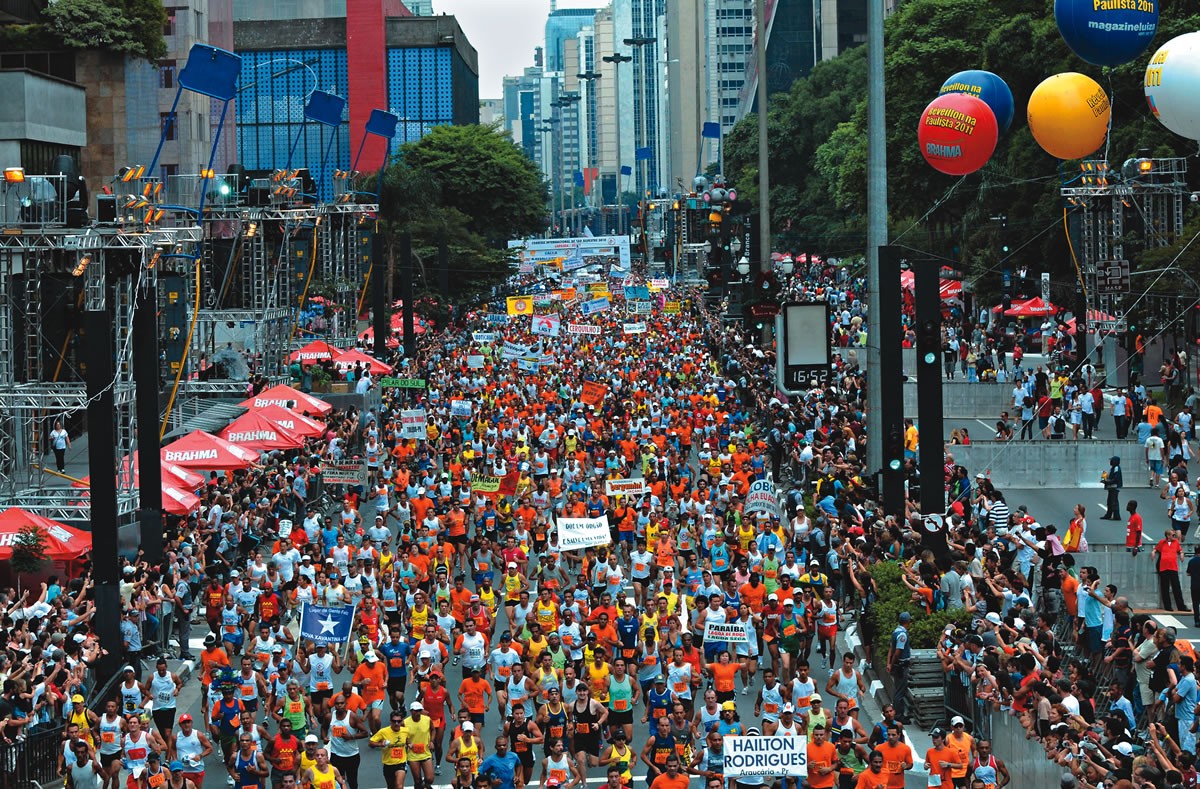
(587, 664)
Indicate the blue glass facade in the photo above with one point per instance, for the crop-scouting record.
(275, 87)
(420, 90)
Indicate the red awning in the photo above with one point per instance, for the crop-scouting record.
(1031, 308)
(252, 430)
(204, 451)
(292, 422)
(287, 397)
(348, 359)
(315, 351)
(63, 542)
(178, 502)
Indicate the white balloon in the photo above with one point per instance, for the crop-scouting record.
(1171, 83)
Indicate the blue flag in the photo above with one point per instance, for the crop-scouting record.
(641, 154)
(711, 130)
(326, 624)
(579, 178)
(626, 170)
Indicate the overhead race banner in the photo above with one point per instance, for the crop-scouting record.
(575, 252)
(412, 423)
(345, 473)
(765, 756)
(582, 328)
(579, 533)
(625, 487)
(728, 632)
(762, 498)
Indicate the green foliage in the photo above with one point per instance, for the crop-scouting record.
(467, 185)
(818, 142)
(28, 550)
(131, 27)
(894, 598)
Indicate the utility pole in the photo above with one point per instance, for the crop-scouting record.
(877, 232)
(764, 160)
(616, 59)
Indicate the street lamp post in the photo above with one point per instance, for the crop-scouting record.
(548, 129)
(588, 78)
(616, 59)
(639, 45)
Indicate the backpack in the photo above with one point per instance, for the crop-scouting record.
(1060, 426)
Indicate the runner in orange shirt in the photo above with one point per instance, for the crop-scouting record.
(371, 676)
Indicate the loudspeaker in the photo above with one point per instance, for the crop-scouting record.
(106, 209)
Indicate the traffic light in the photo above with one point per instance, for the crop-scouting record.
(893, 450)
(929, 342)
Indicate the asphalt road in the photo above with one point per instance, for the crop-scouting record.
(371, 773)
(1054, 506)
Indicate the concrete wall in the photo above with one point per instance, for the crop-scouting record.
(1041, 463)
(41, 108)
(965, 401)
(272, 10)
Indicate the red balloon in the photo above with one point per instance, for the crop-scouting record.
(957, 133)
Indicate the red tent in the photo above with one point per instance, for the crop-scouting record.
(63, 542)
(368, 336)
(206, 452)
(292, 422)
(315, 351)
(947, 288)
(347, 360)
(286, 396)
(174, 475)
(1092, 317)
(178, 502)
(1032, 308)
(252, 430)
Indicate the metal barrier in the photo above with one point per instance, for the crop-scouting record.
(32, 762)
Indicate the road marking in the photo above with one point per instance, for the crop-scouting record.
(1170, 621)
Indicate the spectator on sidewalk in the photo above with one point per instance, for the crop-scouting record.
(1166, 563)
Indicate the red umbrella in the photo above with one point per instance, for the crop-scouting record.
(252, 430)
(287, 397)
(368, 336)
(315, 351)
(1032, 308)
(174, 475)
(292, 422)
(178, 502)
(62, 542)
(347, 360)
(204, 451)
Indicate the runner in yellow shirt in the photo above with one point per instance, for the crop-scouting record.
(393, 741)
(420, 755)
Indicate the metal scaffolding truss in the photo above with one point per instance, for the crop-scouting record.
(95, 268)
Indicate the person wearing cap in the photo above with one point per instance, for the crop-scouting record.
(191, 747)
(466, 745)
(962, 744)
(392, 740)
(941, 760)
(420, 756)
(898, 661)
(323, 775)
(792, 626)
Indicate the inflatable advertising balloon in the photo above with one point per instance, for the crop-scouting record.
(1107, 32)
(1068, 115)
(987, 86)
(957, 133)
(1171, 85)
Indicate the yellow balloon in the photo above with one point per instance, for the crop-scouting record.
(1068, 115)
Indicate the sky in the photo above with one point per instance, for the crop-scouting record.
(504, 33)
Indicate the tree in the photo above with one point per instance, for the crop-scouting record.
(28, 550)
(131, 27)
(818, 142)
(471, 187)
